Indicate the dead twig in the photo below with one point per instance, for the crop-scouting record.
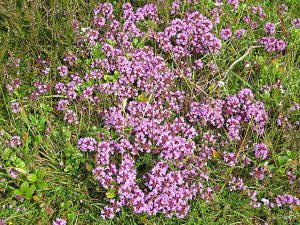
(225, 74)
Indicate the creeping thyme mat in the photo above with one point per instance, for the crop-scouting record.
(150, 112)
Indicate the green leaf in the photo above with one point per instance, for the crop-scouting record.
(271, 167)
(135, 42)
(46, 107)
(21, 170)
(40, 174)
(42, 185)
(244, 6)
(5, 154)
(96, 52)
(108, 78)
(29, 192)
(111, 42)
(88, 61)
(282, 160)
(71, 216)
(38, 139)
(116, 74)
(142, 97)
(13, 157)
(17, 192)
(267, 94)
(32, 177)
(289, 153)
(27, 196)
(19, 163)
(24, 186)
(66, 132)
(56, 133)
(113, 182)
(110, 193)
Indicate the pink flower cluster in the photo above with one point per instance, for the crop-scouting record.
(40, 89)
(261, 151)
(150, 117)
(43, 65)
(273, 44)
(225, 34)
(270, 28)
(289, 200)
(187, 36)
(15, 141)
(15, 84)
(87, 144)
(166, 190)
(230, 158)
(15, 107)
(59, 221)
(231, 113)
(153, 161)
(237, 184)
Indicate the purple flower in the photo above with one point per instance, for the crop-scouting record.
(291, 177)
(283, 8)
(280, 45)
(236, 184)
(62, 104)
(15, 107)
(107, 213)
(230, 158)
(175, 7)
(272, 44)
(246, 19)
(259, 173)
(71, 59)
(245, 160)
(40, 89)
(265, 88)
(270, 28)
(267, 202)
(87, 144)
(43, 65)
(15, 84)
(146, 115)
(296, 23)
(233, 125)
(261, 151)
(15, 141)
(72, 95)
(59, 221)
(240, 33)
(295, 107)
(225, 33)
(99, 21)
(208, 112)
(71, 117)
(281, 120)
(60, 88)
(285, 199)
(62, 70)
(209, 138)
(13, 173)
(233, 3)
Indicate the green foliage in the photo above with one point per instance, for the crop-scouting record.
(30, 182)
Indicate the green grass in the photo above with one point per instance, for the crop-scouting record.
(29, 29)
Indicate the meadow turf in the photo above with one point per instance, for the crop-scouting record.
(55, 178)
